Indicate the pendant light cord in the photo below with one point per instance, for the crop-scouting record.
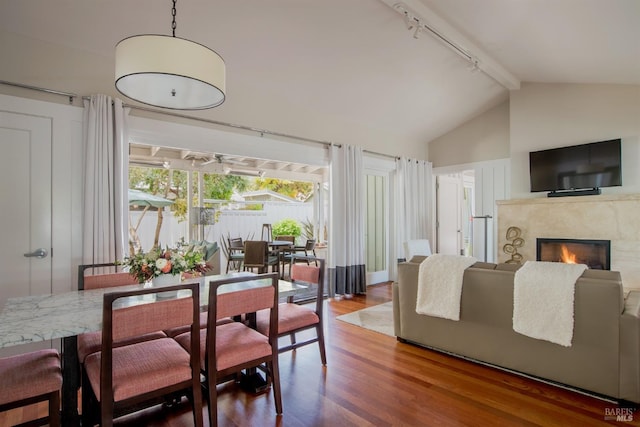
(173, 21)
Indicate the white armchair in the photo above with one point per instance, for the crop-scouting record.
(416, 247)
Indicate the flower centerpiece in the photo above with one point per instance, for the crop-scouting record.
(159, 262)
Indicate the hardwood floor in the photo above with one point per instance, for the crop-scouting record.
(373, 380)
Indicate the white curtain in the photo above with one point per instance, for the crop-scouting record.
(106, 174)
(414, 209)
(347, 273)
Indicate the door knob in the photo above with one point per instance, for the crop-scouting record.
(38, 253)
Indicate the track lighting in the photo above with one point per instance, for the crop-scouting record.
(417, 24)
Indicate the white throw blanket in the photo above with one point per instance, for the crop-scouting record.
(440, 285)
(543, 296)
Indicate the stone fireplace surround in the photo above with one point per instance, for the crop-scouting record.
(601, 217)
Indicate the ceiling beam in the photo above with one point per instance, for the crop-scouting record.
(455, 40)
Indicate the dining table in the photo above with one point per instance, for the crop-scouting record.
(66, 315)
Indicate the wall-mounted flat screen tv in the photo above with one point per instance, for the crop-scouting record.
(585, 166)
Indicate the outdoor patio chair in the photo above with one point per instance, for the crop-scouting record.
(256, 255)
(309, 251)
(236, 253)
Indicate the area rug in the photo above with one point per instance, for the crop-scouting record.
(378, 318)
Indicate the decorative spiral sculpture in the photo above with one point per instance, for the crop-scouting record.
(515, 242)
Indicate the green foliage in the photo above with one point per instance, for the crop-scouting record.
(287, 227)
(307, 229)
(173, 185)
(221, 187)
(300, 190)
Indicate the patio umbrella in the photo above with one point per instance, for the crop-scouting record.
(140, 198)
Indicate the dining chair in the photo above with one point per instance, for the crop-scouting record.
(30, 378)
(256, 255)
(309, 251)
(90, 342)
(228, 349)
(121, 379)
(283, 252)
(107, 276)
(294, 318)
(236, 253)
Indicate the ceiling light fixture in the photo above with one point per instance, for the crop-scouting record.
(169, 72)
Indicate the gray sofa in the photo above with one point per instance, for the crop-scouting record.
(604, 357)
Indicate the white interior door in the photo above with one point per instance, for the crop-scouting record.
(448, 207)
(25, 218)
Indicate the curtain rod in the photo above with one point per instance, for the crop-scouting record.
(200, 119)
(262, 132)
(41, 89)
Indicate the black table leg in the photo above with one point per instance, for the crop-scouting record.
(70, 381)
(251, 381)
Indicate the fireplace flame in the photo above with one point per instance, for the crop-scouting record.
(567, 256)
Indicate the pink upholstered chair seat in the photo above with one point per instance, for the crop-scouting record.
(91, 342)
(290, 317)
(235, 344)
(160, 363)
(29, 375)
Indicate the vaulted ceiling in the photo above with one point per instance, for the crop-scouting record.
(342, 71)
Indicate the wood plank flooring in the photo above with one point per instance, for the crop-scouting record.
(373, 380)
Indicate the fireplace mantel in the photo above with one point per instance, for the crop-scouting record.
(607, 217)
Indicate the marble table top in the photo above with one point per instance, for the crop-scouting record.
(44, 317)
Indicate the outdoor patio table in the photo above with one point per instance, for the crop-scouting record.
(280, 247)
(66, 315)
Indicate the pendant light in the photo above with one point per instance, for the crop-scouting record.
(169, 72)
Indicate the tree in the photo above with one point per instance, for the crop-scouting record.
(300, 190)
(221, 187)
(172, 184)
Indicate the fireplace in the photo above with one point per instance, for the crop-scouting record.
(596, 254)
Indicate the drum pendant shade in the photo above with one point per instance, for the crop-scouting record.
(169, 72)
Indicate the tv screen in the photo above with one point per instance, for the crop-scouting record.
(593, 165)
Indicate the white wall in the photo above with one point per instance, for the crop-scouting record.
(553, 115)
(44, 64)
(483, 138)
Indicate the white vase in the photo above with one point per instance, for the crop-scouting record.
(166, 280)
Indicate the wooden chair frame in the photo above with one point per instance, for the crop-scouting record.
(221, 306)
(319, 310)
(110, 409)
